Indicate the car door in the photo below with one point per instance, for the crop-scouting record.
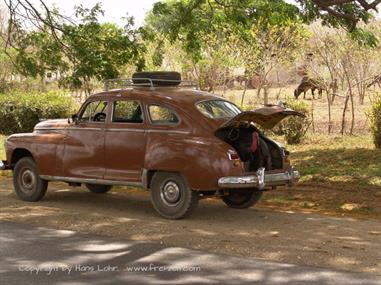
(84, 155)
(125, 141)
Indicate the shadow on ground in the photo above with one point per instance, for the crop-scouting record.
(42, 256)
(300, 238)
(343, 168)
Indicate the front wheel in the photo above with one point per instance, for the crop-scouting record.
(97, 188)
(171, 196)
(27, 182)
(242, 198)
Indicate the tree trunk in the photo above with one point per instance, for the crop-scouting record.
(353, 111)
(244, 92)
(312, 115)
(43, 83)
(350, 90)
(259, 91)
(224, 86)
(266, 95)
(329, 114)
(343, 117)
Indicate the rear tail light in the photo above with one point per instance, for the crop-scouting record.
(232, 155)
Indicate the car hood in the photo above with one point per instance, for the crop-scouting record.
(52, 124)
(266, 117)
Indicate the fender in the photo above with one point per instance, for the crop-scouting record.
(45, 148)
(200, 160)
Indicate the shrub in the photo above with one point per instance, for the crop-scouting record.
(294, 128)
(20, 112)
(375, 122)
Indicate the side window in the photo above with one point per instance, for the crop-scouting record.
(95, 112)
(127, 111)
(162, 115)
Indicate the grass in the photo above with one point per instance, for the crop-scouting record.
(335, 172)
(341, 161)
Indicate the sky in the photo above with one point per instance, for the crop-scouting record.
(115, 10)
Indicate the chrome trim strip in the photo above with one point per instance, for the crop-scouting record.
(168, 131)
(125, 130)
(116, 130)
(260, 179)
(49, 129)
(85, 129)
(90, 181)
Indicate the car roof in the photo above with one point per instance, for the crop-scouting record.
(171, 95)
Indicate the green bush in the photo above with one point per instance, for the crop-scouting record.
(375, 122)
(20, 112)
(294, 128)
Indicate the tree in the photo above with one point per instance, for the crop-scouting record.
(98, 51)
(344, 13)
(38, 54)
(339, 58)
(210, 55)
(192, 16)
(276, 45)
(189, 20)
(7, 70)
(93, 51)
(218, 38)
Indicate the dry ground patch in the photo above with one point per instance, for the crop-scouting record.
(286, 236)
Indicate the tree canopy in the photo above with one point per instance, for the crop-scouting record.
(188, 20)
(81, 49)
(85, 51)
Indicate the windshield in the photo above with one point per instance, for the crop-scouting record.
(217, 109)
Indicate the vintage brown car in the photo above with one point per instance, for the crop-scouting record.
(180, 143)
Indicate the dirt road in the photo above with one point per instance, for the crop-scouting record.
(48, 256)
(300, 238)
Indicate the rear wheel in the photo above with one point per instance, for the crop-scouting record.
(171, 196)
(242, 198)
(97, 188)
(27, 182)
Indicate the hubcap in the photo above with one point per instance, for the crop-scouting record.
(170, 193)
(28, 180)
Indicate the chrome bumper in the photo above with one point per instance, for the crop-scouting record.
(260, 179)
(4, 165)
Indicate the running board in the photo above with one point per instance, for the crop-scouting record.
(90, 181)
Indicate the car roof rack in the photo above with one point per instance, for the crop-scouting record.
(111, 84)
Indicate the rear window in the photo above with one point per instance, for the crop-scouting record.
(127, 111)
(162, 115)
(216, 109)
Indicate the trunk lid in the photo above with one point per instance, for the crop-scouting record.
(266, 117)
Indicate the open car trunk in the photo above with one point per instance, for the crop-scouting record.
(253, 148)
